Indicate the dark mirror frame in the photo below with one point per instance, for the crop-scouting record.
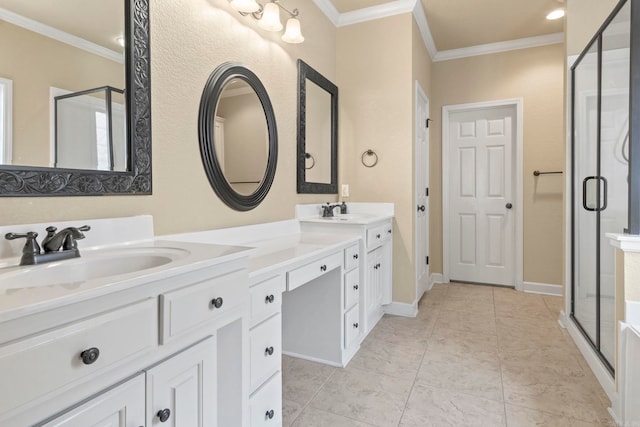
(206, 128)
(305, 72)
(44, 181)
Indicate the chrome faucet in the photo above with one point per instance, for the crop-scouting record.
(57, 246)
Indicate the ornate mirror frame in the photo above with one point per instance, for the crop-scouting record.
(206, 130)
(43, 181)
(306, 72)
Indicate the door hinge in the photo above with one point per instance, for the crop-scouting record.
(427, 123)
(426, 191)
(427, 260)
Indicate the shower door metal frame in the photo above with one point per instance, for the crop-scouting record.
(633, 221)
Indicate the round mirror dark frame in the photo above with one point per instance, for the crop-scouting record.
(206, 127)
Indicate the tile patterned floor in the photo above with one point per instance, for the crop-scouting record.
(474, 356)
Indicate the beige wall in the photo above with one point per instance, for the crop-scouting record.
(377, 64)
(35, 63)
(536, 75)
(189, 38)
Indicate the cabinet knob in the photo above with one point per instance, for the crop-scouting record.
(217, 302)
(355, 287)
(323, 267)
(355, 325)
(378, 236)
(268, 351)
(90, 355)
(164, 414)
(269, 299)
(355, 256)
(270, 413)
(389, 231)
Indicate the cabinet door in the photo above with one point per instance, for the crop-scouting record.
(122, 406)
(181, 392)
(373, 292)
(386, 272)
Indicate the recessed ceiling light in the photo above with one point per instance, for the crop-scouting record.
(556, 14)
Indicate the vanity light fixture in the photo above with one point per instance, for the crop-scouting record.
(555, 14)
(268, 17)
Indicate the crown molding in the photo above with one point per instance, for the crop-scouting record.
(61, 36)
(397, 7)
(485, 49)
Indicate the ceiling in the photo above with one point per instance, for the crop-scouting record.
(456, 24)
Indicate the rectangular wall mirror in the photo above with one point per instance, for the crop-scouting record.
(317, 132)
(75, 113)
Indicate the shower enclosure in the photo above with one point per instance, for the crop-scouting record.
(600, 106)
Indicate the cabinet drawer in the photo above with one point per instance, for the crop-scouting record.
(304, 274)
(265, 406)
(351, 287)
(46, 362)
(351, 326)
(351, 257)
(266, 299)
(379, 234)
(265, 350)
(188, 307)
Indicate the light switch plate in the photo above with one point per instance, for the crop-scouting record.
(345, 190)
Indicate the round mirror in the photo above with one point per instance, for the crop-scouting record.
(238, 137)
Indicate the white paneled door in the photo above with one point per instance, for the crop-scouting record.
(422, 189)
(482, 222)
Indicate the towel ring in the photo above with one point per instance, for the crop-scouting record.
(309, 156)
(369, 153)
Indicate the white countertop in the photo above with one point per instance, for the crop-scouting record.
(358, 213)
(16, 301)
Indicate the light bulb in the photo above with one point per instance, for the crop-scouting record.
(293, 34)
(270, 18)
(556, 14)
(245, 6)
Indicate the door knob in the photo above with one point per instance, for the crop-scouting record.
(509, 206)
(422, 208)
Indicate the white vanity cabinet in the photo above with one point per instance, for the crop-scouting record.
(173, 351)
(265, 352)
(376, 261)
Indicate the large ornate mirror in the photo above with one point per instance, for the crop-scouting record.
(317, 132)
(238, 136)
(75, 113)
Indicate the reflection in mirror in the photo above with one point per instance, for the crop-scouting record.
(317, 132)
(238, 136)
(79, 119)
(241, 138)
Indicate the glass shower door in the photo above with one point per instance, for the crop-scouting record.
(600, 128)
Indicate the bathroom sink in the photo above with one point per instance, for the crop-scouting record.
(92, 265)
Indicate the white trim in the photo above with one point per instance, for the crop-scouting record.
(6, 143)
(632, 312)
(624, 242)
(601, 373)
(542, 288)
(486, 49)
(61, 36)
(398, 7)
(402, 309)
(437, 278)
(312, 359)
(518, 187)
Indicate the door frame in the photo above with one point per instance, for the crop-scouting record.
(517, 178)
(420, 94)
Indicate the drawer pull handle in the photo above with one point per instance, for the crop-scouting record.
(269, 414)
(268, 351)
(377, 236)
(217, 302)
(269, 299)
(323, 267)
(355, 256)
(355, 325)
(389, 231)
(355, 287)
(89, 356)
(164, 415)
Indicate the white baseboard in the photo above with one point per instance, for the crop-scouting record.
(543, 288)
(436, 278)
(601, 373)
(402, 309)
(312, 359)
